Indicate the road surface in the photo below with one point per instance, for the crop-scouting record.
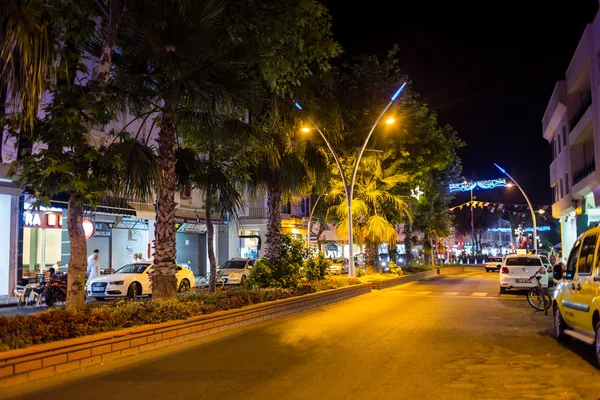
(450, 337)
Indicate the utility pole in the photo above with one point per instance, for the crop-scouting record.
(473, 247)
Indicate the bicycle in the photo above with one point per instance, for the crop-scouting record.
(204, 281)
(538, 295)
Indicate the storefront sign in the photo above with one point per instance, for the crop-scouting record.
(88, 228)
(36, 219)
(191, 228)
(102, 230)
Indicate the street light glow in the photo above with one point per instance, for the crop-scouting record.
(542, 211)
(298, 106)
(305, 129)
(510, 184)
(390, 120)
(398, 91)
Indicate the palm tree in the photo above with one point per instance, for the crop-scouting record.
(376, 196)
(172, 61)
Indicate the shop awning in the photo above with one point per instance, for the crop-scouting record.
(108, 205)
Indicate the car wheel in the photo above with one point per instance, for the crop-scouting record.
(503, 290)
(487, 270)
(243, 280)
(184, 286)
(133, 291)
(560, 326)
(597, 344)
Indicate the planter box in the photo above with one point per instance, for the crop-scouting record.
(40, 361)
(379, 285)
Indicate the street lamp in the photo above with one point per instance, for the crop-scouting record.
(528, 203)
(349, 187)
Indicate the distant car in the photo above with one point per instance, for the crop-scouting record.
(493, 264)
(338, 265)
(518, 268)
(384, 262)
(236, 271)
(133, 280)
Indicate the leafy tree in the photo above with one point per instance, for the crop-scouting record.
(42, 54)
(317, 268)
(297, 44)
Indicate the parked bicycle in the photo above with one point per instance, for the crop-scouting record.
(538, 296)
(204, 281)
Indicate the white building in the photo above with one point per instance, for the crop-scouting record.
(571, 124)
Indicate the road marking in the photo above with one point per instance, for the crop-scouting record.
(424, 292)
(479, 294)
(451, 293)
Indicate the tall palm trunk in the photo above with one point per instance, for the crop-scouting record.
(78, 260)
(371, 256)
(408, 230)
(164, 282)
(114, 11)
(273, 245)
(210, 232)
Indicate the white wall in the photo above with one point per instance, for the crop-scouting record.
(121, 240)
(5, 207)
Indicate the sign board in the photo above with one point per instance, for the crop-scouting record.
(332, 247)
(89, 228)
(521, 251)
(102, 230)
(40, 219)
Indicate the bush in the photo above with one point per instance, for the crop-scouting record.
(286, 273)
(58, 324)
(394, 269)
(317, 268)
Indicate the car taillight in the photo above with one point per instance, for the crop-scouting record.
(505, 270)
(542, 271)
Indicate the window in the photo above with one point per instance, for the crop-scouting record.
(524, 261)
(566, 183)
(559, 144)
(586, 257)
(572, 261)
(564, 133)
(561, 188)
(553, 149)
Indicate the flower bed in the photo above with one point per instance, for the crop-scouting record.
(58, 324)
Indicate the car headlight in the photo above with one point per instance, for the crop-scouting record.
(116, 282)
(234, 275)
(383, 263)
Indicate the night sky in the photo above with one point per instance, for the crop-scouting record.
(488, 71)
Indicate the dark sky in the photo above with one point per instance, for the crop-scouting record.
(488, 71)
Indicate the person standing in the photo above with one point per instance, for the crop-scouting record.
(93, 268)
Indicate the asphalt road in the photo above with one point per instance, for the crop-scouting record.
(450, 337)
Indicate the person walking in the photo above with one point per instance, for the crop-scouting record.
(93, 268)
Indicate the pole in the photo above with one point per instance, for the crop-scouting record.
(528, 203)
(350, 188)
(310, 219)
(472, 226)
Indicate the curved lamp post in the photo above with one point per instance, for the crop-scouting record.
(528, 203)
(349, 187)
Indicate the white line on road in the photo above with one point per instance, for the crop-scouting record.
(479, 294)
(451, 293)
(424, 292)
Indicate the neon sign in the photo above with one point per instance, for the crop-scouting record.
(539, 229)
(468, 186)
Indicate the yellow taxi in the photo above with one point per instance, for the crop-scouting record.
(577, 294)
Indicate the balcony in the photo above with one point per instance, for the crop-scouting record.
(585, 104)
(587, 168)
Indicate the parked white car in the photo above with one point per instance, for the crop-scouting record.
(518, 268)
(236, 270)
(493, 264)
(133, 280)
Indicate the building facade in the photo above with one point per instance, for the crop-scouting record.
(571, 124)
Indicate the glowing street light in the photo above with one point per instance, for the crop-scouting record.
(349, 186)
(305, 129)
(528, 203)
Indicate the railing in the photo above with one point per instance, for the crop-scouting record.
(587, 168)
(585, 103)
(257, 213)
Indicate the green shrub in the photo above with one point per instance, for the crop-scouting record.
(317, 268)
(58, 324)
(284, 274)
(395, 269)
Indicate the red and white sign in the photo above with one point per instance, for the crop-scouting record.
(89, 228)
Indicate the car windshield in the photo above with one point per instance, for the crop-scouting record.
(133, 269)
(545, 260)
(495, 259)
(524, 261)
(234, 264)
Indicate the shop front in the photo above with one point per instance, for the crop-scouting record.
(191, 244)
(250, 243)
(42, 239)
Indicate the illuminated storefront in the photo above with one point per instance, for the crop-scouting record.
(42, 239)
